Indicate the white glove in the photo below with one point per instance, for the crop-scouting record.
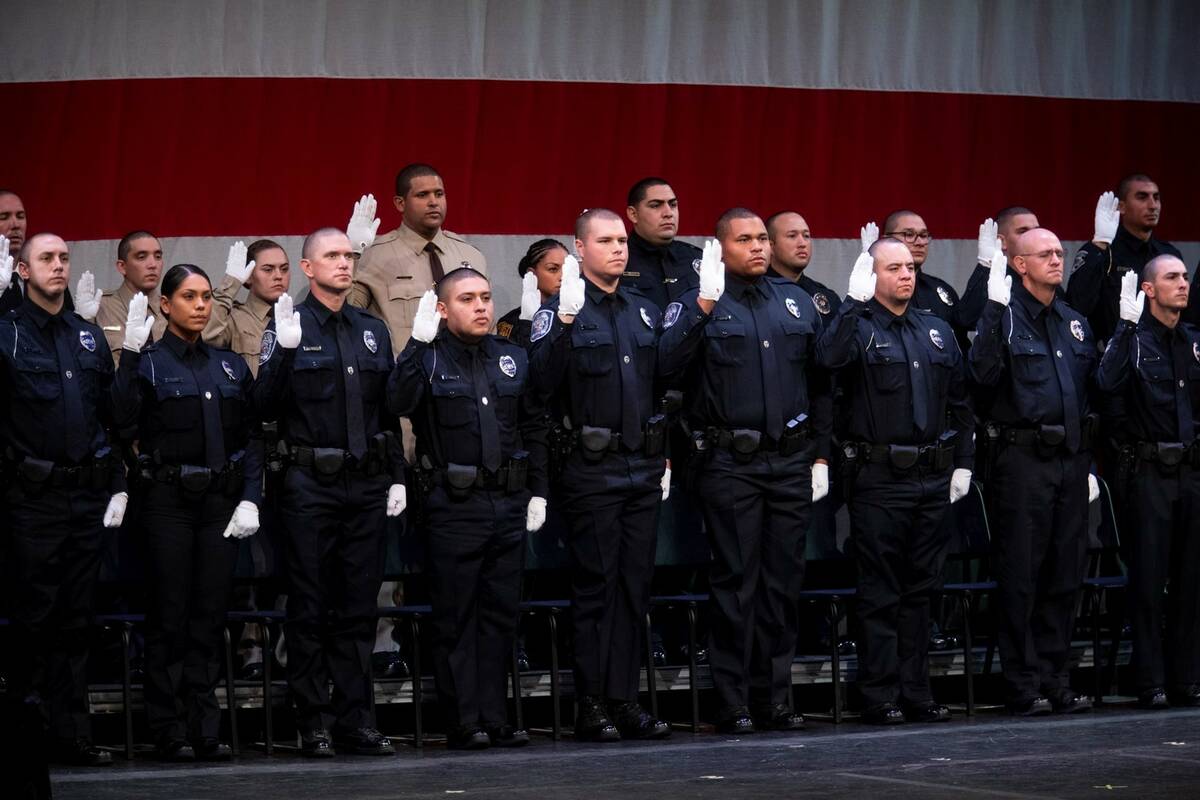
(535, 514)
(868, 233)
(665, 483)
(137, 324)
(1132, 300)
(1107, 218)
(960, 482)
(427, 320)
(712, 272)
(397, 499)
(287, 323)
(235, 265)
(988, 231)
(531, 298)
(862, 278)
(570, 293)
(244, 521)
(820, 481)
(999, 286)
(6, 264)
(363, 224)
(1093, 488)
(115, 513)
(87, 296)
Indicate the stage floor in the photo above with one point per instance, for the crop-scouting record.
(1121, 753)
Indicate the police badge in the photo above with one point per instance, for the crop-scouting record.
(369, 341)
(944, 295)
(508, 366)
(646, 318)
(790, 304)
(267, 347)
(671, 315)
(87, 341)
(935, 336)
(822, 303)
(228, 371)
(541, 324)
(1077, 329)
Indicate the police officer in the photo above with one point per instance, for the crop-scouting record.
(760, 411)
(660, 266)
(908, 450)
(791, 253)
(1123, 241)
(481, 444)
(593, 355)
(541, 275)
(201, 488)
(1152, 363)
(13, 224)
(1005, 229)
(238, 325)
(1035, 358)
(323, 375)
(140, 262)
(62, 485)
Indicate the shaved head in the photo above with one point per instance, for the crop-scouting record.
(445, 287)
(313, 241)
(1158, 264)
(583, 222)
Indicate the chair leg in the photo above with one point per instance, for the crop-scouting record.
(1118, 623)
(417, 689)
(834, 620)
(693, 689)
(651, 688)
(1093, 598)
(231, 694)
(516, 688)
(968, 652)
(127, 689)
(268, 722)
(555, 687)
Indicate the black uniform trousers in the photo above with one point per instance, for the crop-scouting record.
(612, 514)
(334, 554)
(190, 568)
(1039, 530)
(897, 519)
(52, 558)
(1162, 547)
(757, 516)
(475, 552)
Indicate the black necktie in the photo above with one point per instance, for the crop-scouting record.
(356, 437)
(210, 407)
(917, 371)
(631, 423)
(68, 370)
(1181, 357)
(1057, 328)
(772, 401)
(489, 430)
(435, 263)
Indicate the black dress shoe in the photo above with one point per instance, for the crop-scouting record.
(886, 714)
(81, 753)
(176, 751)
(211, 750)
(523, 663)
(735, 722)
(1186, 696)
(593, 724)
(1032, 707)
(778, 718)
(1155, 699)
(508, 736)
(251, 672)
(316, 744)
(389, 665)
(634, 722)
(1068, 701)
(364, 742)
(659, 654)
(926, 712)
(468, 739)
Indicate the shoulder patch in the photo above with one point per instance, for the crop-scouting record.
(944, 295)
(542, 321)
(267, 347)
(1196, 350)
(671, 315)
(1080, 257)
(822, 304)
(504, 329)
(696, 265)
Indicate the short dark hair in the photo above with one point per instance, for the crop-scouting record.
(770, 222)
(637, 192)
(584, 220)
(729, 216)
(177, 274)
(259, 246)
(455, 276)
(536, 252)
(310, 241)
(404, 177)
(126, 243)
(895, 215)
(1123, 184)
(1150, 271)
(1005, 214)
(23, 253)
(884, 240)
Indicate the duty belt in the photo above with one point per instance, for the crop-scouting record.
(1168, 454)
(331, 461)
(937, 457)
(47, 474)
(228, 480)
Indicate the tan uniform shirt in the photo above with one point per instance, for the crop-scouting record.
(394, 272)
(114, 308)
(238, 325)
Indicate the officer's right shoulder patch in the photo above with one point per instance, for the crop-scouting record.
(504, 329)
(267, 347)
(542, 321)
(671, 315)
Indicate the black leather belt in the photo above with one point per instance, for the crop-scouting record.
(928, 456)
(1168, 454)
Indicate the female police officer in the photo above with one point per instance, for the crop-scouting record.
(201, 467)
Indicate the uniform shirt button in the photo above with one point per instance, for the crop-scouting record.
(68, 374)
(1058, 353)
(766, 343)
(1180, 382)
(916, 365)
(484, 401)
(350, 370)
(208, 395)
(626, 359)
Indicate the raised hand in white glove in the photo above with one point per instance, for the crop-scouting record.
(287, 323)
(114, 514)
(244, 521)
(960, 484)
(531, 298)
(363, 224)
(999, 285)
(137, 324)
(665, 483)
(87, 296)
(535, 514)
(570, 293)
(6, 264)
(988, 232)
(862, 278)
(868, 234)
(397, 499)
(427, 319)
(236, 266)
(820, 481)
(712, 272)
(1107, 218)
(1132, 300)
(1093, 488)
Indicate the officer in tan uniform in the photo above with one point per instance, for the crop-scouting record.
(393, 274)
(239, 324)
(140, 261)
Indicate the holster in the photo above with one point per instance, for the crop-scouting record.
(1171, 454)
(903, 457)
(745, 444)
(1050, 439)
(328, 463)
(518, 471)
(593, 443)
(654, 441)
(34, 474)
(275, 456)
(460, 479)
(195, 479)
(795, 436)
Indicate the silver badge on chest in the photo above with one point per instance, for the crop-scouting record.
(87, 341)
(935, 336)
(508, 365)
(1077, 329)
(228, 368)
(369, 341)
(790, 304)
(646, 317)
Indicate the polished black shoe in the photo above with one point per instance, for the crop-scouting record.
(1032, 707)
(778, 718)
(634, 722)
(735, 722)
(211, 750)
(886, 714)
(1068, 701)
(847, 647)
(593, 724)
(251, 672)
(1154, 699)
(523, 663)
(926, 712)
(508, 736)
(81, 753)
(468, 739)
(389, 665)
(364, 742)
(659, 654)
(176, 751)
(316, 745)
(1186, 696)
